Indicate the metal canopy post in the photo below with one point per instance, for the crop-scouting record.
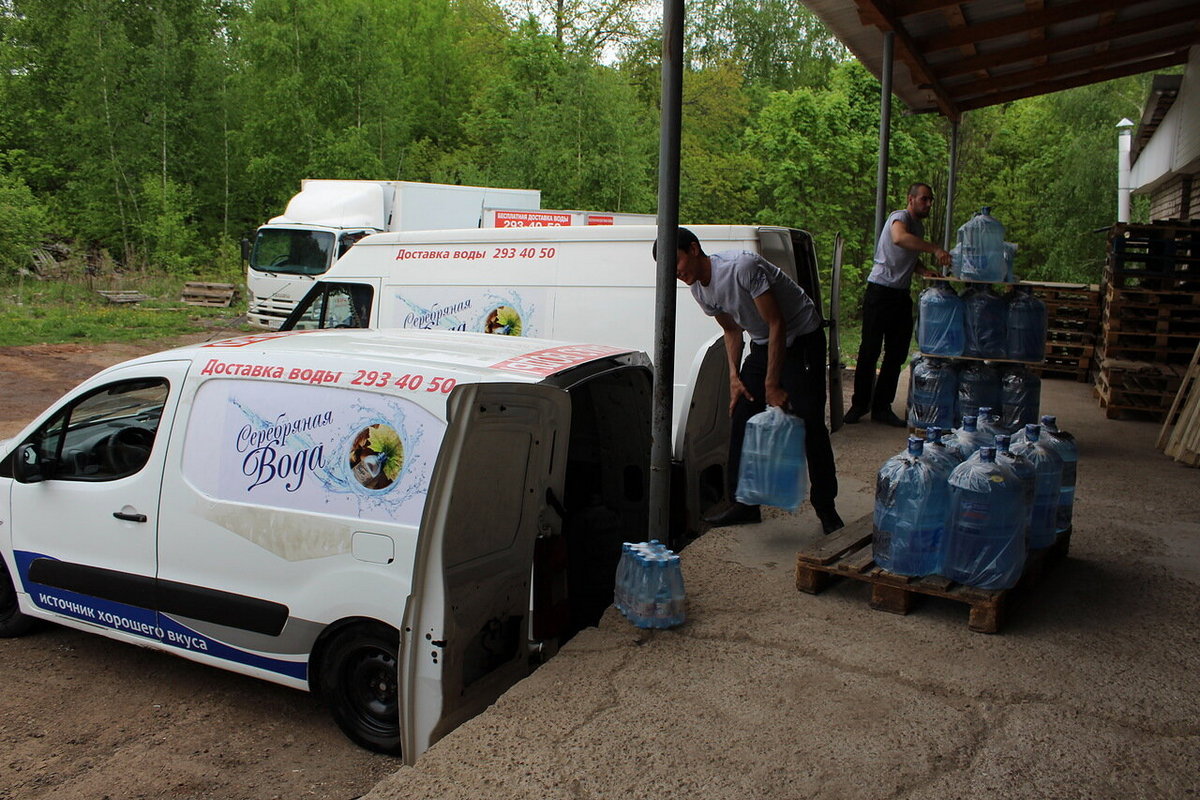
(885, 132)
(951, 185)
(664, 309)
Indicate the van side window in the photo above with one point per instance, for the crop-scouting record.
(333, 305)
(104, 435)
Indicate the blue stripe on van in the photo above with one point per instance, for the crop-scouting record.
(143, 622)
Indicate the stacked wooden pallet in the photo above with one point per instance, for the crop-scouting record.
(1151, 319)
(1073, 322)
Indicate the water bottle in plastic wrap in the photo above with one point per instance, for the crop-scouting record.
(1025, 325)
(979, 254)
(1049, 468)
(967, 438)
(932, 392)
(773, 470)
(984, 543)
(985, 316)
(910, 512)
(978, 387)
(940, 321)
(1020, 398)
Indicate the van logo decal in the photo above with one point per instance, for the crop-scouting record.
(502, 312)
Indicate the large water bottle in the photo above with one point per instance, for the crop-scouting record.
(985, 316)
(938, 452)
(1024, 470)
(1025, 325)
(1020, 397)
(932, 392)
(978, 387)
(967, 438)
(1049, 467)
(773, 470)
(980, 253)
(910, 513)
(984, 543)
(940, 321)
(1064, 444)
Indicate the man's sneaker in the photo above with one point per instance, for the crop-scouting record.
(736, 514)
(854, 415)
(830, 521)
(888, 418)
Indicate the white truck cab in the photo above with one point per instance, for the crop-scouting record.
(579, 283)
(403, 521)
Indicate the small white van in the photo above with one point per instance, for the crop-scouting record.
(404, 521)
(587, 284)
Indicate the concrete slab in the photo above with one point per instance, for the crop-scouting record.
(1090, 690)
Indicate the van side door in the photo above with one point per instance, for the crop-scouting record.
(85, 503)
(466, 632)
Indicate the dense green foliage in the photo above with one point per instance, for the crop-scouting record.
(159, 133)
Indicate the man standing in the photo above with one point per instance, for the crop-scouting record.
(785, 368)
(887, 307)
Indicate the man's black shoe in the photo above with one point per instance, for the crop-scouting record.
(854, 415)
(736, 514)
(888, 418)
(830, 521)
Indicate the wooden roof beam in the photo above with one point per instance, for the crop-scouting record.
(1061, 44)
(1085, 65)
(1016, 24)
(1095, 76)
(911, 55)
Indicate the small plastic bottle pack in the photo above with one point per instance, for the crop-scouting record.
(649, 585)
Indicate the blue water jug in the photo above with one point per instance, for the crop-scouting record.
(1020, 398)
(1049, 468)
(910, 513)
(984, 542)
(1064, 444)
(938, 452)
(984, 323)
(978, 387)
(1025, 472)
(967, 438)
(932, 392)
(980, 254)
(773, 470)
(940, 321)
(1025, 325)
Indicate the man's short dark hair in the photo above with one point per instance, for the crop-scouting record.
(912, 190)
(683, 240)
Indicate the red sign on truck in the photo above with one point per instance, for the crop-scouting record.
(531, 219)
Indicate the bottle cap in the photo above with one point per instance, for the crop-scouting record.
(987, 454)
(1033, 432)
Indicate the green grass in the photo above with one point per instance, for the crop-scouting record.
(54, 312)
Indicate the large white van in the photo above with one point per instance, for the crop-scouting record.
(592, 284)
(404, 521)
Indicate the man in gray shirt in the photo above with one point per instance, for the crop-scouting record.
(747, 294)
(887, 307)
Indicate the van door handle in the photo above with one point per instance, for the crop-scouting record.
(129, 517)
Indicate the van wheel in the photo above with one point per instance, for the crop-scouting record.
(361, 686)
(12, 621)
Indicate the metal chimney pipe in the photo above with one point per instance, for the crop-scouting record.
(1124, 189)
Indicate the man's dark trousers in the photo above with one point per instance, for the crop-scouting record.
(886, 322)
(803, 378)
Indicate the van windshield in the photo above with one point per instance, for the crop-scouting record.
(292, 251)
(332, 305)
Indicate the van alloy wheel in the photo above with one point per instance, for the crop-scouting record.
(12, 621)
(360, 683)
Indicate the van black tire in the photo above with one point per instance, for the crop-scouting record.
(12, 621)
(360, 684)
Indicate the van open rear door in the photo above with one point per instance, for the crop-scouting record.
(466, 632)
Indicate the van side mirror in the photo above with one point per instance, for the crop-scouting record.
(29, 466)
(245, 250)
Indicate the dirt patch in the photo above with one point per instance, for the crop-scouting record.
(82, 716)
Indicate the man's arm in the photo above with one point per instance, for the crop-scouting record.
(901, 237)
(768, 309)
(734, 345)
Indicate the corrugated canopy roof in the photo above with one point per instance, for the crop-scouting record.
(952, 57)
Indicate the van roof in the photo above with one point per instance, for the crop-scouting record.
(489, 357)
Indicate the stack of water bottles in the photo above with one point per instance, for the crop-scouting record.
(941, 391)
(981, 253)
(981, 323)
(970, 505)
(649, 585)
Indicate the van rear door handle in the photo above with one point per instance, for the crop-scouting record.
(129, 517)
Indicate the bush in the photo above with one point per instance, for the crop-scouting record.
(24, 224)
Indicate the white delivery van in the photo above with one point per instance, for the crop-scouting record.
(594, 284)
(404, 521)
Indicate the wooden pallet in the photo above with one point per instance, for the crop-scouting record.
(122, 296)
(847, 554)
(218, 295)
